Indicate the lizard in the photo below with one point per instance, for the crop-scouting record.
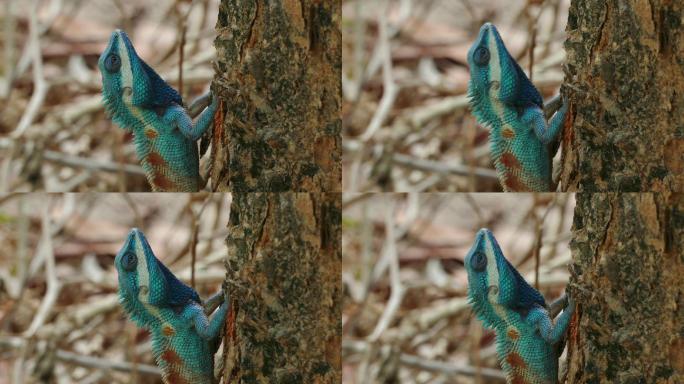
(528, 345)
(502, 97)
(184, 340)
(141, 102)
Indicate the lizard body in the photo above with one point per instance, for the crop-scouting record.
(184, 340)
(504, 99)
(139, 101)
(527, 343)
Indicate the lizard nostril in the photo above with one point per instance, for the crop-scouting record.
(495, 85)
(144, 289)
(493, 289)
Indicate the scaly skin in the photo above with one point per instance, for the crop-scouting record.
(139, 100)
(527, 342)
(184, 340)
(503, 98)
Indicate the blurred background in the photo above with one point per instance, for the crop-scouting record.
(405, 316)
(59, 309)
(54, 135)
(407, 124)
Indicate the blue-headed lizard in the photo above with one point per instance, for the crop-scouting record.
(504, 99)
(138, 100)
(184, 340)
(527, 343)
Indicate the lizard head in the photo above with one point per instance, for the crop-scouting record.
(128, 81)
(493, 282)
(143, 279)
(495, 74)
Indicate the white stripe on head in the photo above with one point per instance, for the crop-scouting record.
(495, 75)
(126, 70)
(493, 277)
(492, 269)
(494, 62)
(143, 272)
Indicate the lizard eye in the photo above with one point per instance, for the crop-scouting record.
(112, 62)
(478, 261)
(481, 56)
(129, 261)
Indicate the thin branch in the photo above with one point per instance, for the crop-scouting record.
(86, 361)
(438, 167)
(39, 83)
(390, 88)
(390, 254)
(430, 365)
(105, 363)
(53, 286)
(9, 22)
(92, 165)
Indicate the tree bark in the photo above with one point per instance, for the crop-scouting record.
(628, 253)
(279, 78)
(284, 267)
(625, 80)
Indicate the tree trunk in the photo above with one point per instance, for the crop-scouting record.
(278, 76)
(284, 267)
(625, 79)
(627, 280)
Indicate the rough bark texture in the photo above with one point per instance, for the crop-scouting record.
(625, 79)
(279, 78)
(284, 263)
(628, 253)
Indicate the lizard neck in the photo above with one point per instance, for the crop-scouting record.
(521, 161)
(170, 161)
